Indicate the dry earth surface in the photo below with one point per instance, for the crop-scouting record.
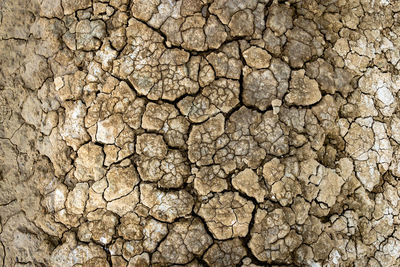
(199, 133)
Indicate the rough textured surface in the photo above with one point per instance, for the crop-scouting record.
(199, 133)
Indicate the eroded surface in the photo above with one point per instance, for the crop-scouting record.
(199, 133)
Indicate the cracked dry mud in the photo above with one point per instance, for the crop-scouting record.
(199, 133)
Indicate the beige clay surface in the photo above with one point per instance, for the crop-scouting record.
(199, 133)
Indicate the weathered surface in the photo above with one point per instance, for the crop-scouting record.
(227, 215)
(199, 133)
